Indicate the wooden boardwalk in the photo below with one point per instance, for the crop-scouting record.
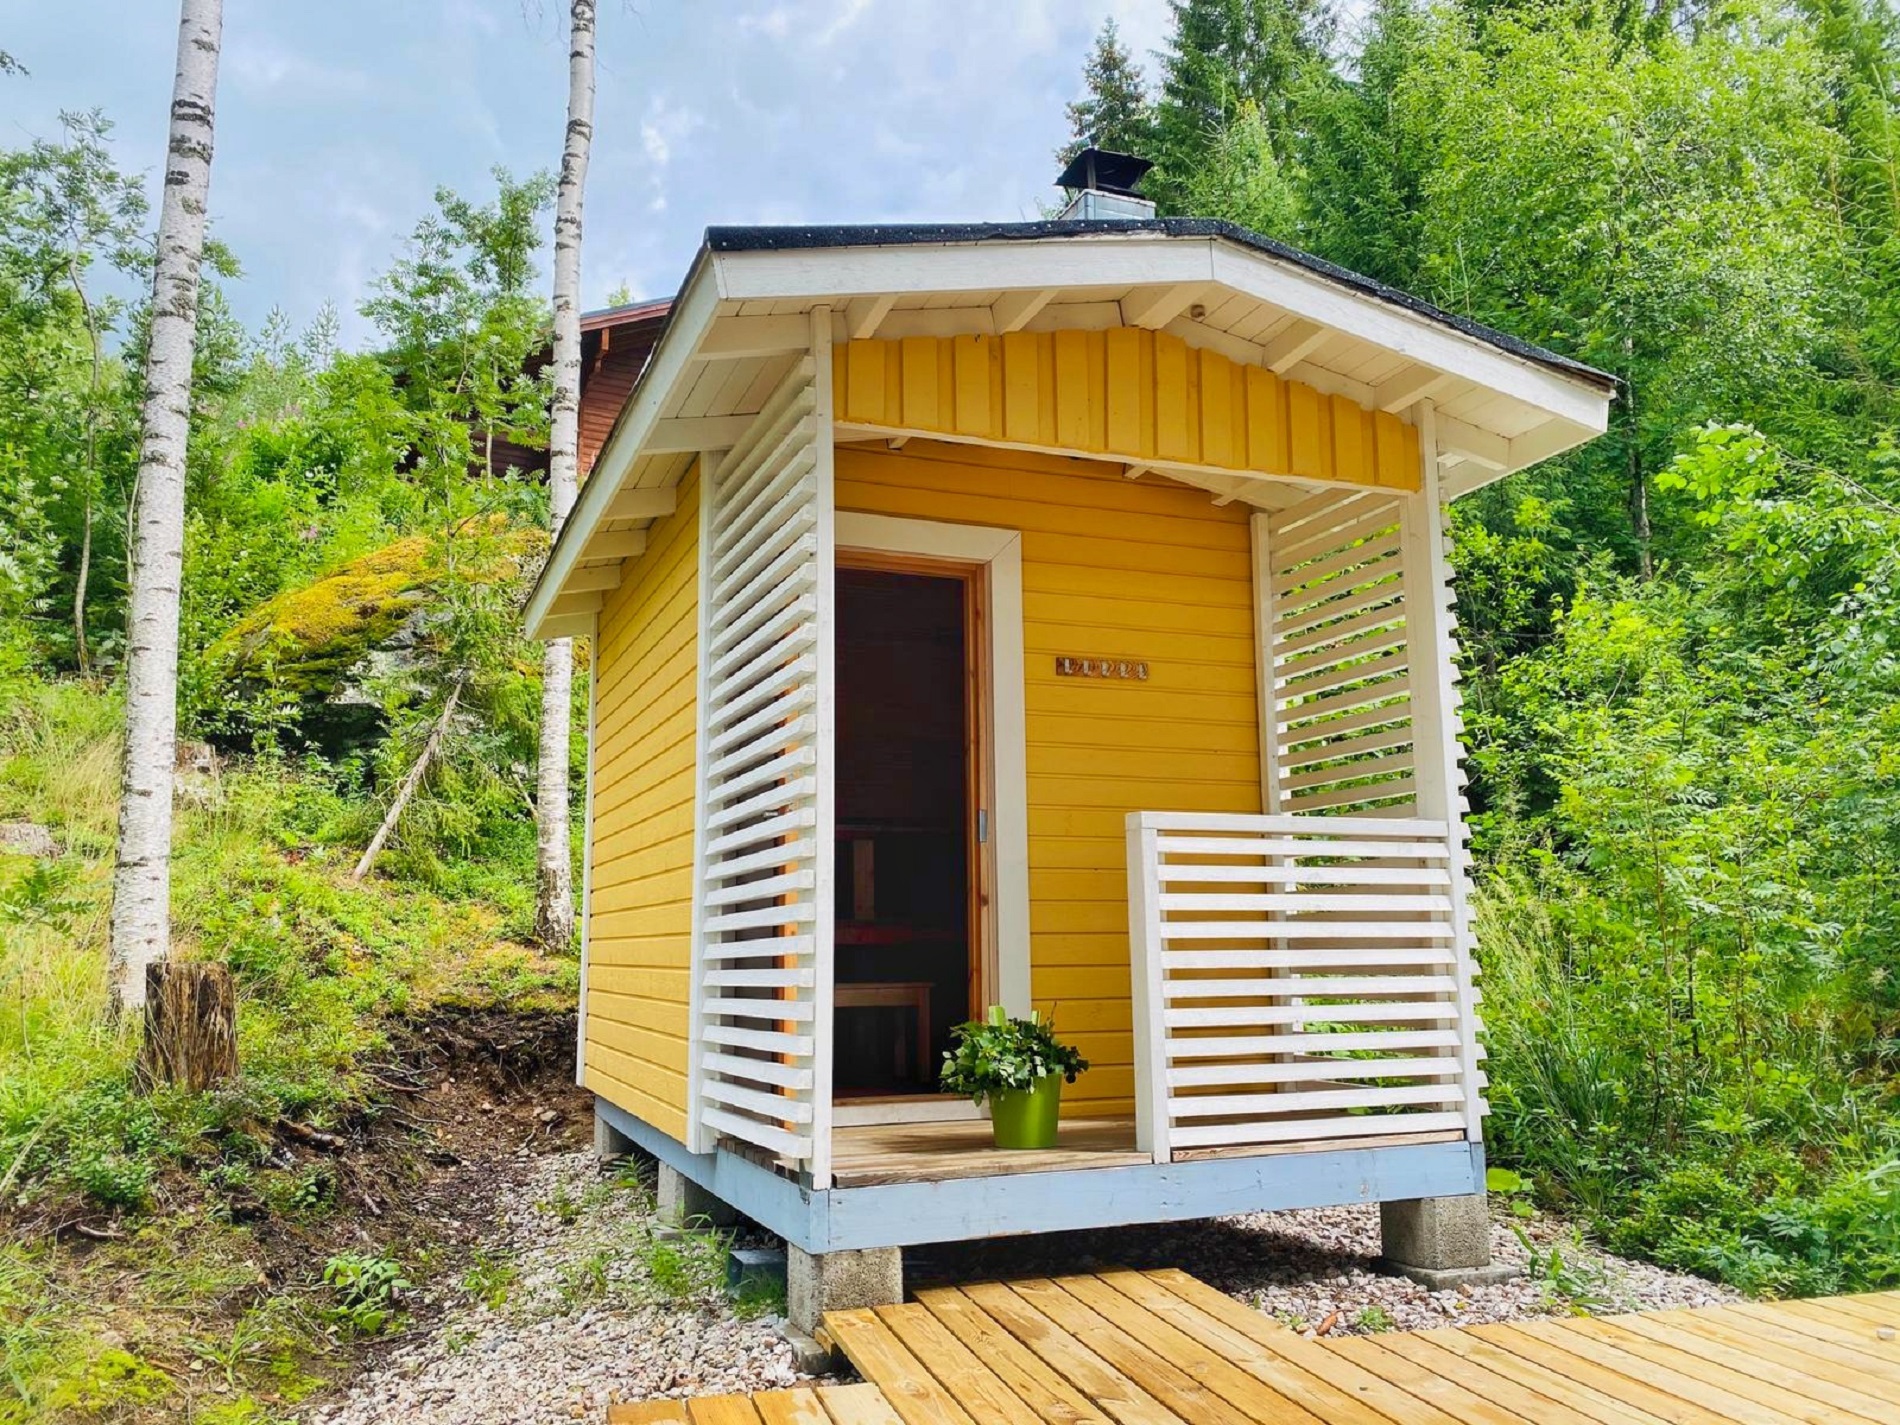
(1161, 1348)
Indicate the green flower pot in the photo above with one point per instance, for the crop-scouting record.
(1026, 1118)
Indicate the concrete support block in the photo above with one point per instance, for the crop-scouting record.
(609, 1142)
(685, 1203)
(840, 1281)
(1441, 1242)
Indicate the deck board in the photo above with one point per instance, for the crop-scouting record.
(865, 1155)
(1161, 1348)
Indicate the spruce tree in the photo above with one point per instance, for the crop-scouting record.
(1115, 112)
(1362, 167)
(1223, 55)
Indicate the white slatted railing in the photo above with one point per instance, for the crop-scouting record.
(1298, 979)
(758, 1070)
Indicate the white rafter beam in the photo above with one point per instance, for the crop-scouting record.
(567, 626)
(1155, 307)
(617, 543)
(1480, 447)
(642, 504)
(688, 435)
(736, 338)
(864, 316)
(593, 577)
(1414, 383)
(588, 603)
(1292, 346)
(1012, 311)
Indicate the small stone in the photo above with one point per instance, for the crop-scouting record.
(27, 838)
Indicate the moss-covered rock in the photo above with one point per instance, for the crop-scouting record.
(305, 641)
(309, 648)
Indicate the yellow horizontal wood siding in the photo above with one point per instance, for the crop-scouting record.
(1129, 393)
(640, 903)
(1112, 568)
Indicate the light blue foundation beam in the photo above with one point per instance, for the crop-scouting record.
(958, 1209)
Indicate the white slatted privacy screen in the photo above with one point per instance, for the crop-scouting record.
(760, 984)
(1343, 684)
(1306, 975)
(1297, 979)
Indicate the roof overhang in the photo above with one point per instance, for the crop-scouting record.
(743, 316)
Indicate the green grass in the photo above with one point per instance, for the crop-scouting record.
(325, 971)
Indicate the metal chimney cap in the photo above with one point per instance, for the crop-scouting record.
(1100, 170)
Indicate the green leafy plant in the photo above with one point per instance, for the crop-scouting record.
(584, 1280)
(684, 1265)
(368, 1292)
(489, 1280)
(1514, 1188)
(1374, 1319)
(998, 1053)
(562, 1206)
(1568, 1277)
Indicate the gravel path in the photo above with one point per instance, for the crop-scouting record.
(588, 1303)
(591, 1304)
(1318, 1268)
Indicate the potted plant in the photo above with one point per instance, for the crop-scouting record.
(1019, 1066)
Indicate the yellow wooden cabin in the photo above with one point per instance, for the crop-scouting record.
(1055, 615)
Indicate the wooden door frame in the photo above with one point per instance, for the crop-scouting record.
(989, 562)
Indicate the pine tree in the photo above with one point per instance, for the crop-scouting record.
(1222, 55)
(1115, 113)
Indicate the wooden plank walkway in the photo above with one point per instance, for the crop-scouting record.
(1161, 1348)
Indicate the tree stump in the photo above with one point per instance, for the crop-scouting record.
(190, 1026)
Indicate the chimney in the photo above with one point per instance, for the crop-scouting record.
(1101, 187)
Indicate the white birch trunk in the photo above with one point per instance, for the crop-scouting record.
(141, 883)
(554, 900)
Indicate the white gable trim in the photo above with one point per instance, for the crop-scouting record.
(692, 315)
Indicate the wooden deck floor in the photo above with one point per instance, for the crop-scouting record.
(865, 1154)
(1160, 1348)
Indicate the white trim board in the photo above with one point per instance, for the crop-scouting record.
(587, 848)
(698, 1140)
(1001, 551)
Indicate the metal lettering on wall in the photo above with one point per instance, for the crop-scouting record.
(1101, 668)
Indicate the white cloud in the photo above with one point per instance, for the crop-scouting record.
(258, 64)
(775, 22)
(849, 13)
(665, 124)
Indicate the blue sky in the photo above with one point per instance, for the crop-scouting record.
(337, 119)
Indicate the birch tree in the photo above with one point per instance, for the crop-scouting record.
(141, 885)
(554, 901)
